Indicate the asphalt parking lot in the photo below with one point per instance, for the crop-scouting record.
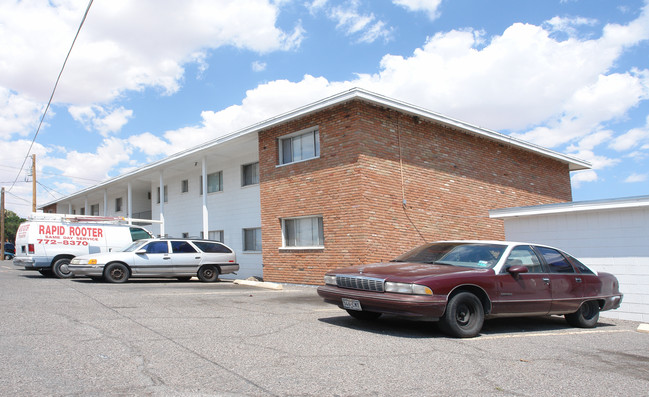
(164, 337)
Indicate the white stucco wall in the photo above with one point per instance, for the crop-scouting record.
(610, 240)
(230, 210)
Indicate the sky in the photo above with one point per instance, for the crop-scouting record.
(148, 78)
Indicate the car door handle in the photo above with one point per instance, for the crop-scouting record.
(578, 279)
(546, 280)
(197, 257)
(166, 257)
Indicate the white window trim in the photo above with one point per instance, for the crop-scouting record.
(280, 150)
(284, 247)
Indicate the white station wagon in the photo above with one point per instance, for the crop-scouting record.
(159, 257)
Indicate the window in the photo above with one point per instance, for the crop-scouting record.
(303, 232)
(166, 196)
(524, 256)
(156, 247)
(582, 268)
(208, 246)
(300, 146)
(139, 234)
(184, 186)
(181, 247)
(252, 239)
(118, 204)
(556, 261)
(94, 209)
(185, 235)
(214, 182)
(250, 174)
(216, 235)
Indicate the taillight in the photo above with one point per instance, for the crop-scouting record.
(30, 249)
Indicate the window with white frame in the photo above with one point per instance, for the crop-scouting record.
(299, 146)
(166, 195)
(250, 174)
(252, 239)
(216, 235)
(304, 232)
(184, 186)
(118, 204)
(214, 182)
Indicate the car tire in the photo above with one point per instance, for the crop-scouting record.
(364, 315)
(7, 257)
(586, 317)
(208, 274)
(463, 317)
(116, 273)
(60, 268)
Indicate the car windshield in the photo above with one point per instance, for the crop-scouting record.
(134, 246)
(477, 255)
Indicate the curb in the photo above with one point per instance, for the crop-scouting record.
(260, 284)
(643, 328)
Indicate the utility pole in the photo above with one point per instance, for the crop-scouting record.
(2, 224)
(33, 182)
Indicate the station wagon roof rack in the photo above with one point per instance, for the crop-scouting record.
(51, 217)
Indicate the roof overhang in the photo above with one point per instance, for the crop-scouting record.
(574, 164)
(572, 207)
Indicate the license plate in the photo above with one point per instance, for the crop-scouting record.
(352, 304)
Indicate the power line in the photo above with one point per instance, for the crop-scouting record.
(49, 102)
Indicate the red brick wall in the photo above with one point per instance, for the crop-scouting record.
(450, 181)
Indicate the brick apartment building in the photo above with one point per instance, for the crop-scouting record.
(351, 179)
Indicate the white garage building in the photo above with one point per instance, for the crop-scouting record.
(607, 235)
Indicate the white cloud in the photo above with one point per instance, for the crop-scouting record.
(91, 166)
(519, 79)
(580, 177)
(98, 118)
(637, 137)
(258, 66)
(18, 115)
(352, 21)
(428, 6)
(34, 36)
(635, 178)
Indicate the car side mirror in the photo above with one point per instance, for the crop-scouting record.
(140, 251)
(517, 269)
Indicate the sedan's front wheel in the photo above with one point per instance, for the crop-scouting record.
(464, 316)
(586, 317)
(116, 273)
(208, 274)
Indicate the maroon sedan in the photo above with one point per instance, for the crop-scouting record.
(460, 283)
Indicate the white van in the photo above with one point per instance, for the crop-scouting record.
(47, 242)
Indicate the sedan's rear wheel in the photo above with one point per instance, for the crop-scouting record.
(208, 274)
(586, 317)
(116, 273)
(364, 315)
(464, 316)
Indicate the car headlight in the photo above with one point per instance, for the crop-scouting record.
(404, 288)
(76, 261)
(330, 279)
